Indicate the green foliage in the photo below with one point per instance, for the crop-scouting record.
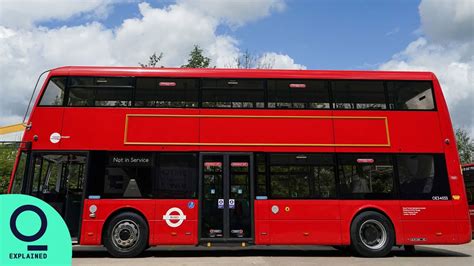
(152, 60)
(465, 146)
(7, 160)
(197, 59)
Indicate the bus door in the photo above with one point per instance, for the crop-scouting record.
(58, 179)
(226, 193)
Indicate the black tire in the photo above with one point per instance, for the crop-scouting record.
(131, 235)
(372, 235)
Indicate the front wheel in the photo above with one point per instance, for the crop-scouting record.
(372, 234)
(126, 235)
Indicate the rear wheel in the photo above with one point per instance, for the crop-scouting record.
(126, 235)
(372, 234)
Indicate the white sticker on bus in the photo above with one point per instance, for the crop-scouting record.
(55, 137)
(174, 217)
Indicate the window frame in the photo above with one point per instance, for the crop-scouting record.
(265, 89)
(198, 88)
(65, 96)
(439, 160)
(387, 96)
(384, 87)
(328, 83)
(268, 178)
(156, 175)
(394, 195)
(94, 88)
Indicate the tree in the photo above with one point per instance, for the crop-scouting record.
(152, 60)
(465, 146)
(247, 60)
(197, 59)
(7, 160)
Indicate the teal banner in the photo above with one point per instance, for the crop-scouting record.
(32, 233)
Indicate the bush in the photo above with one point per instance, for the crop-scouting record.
(8, 153)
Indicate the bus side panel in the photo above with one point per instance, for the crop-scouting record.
(427, 222)
(394, 131)
(266, 128)
(92, 228)
(456, 180)
(300, 222)
(111, 129)
(350, 208)
(173, 231)
(45, 122)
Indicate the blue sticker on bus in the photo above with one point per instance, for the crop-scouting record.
(191, 204)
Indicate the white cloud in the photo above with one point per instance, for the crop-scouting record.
(26, 50)
(223, 51)
(447, 49)
(25, 13)
(235, 12)
(278, 61)
(448, 20)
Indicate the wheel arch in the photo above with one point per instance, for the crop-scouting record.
(378, 210)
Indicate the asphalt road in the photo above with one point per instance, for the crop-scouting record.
(319, 255)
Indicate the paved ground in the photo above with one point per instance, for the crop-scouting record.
(425, 255)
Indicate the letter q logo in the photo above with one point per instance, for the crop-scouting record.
(34, 237)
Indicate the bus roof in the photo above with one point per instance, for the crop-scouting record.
(239, 73)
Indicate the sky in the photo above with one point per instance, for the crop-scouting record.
(428, 35)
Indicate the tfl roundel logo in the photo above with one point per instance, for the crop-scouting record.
(32, 233)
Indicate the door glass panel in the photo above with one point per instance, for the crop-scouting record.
(213, 197)
(58, 180)
(239, 197)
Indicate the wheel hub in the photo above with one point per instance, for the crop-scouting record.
(373, 234)
(125, 234)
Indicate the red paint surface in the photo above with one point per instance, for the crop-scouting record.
(152, 210)
(306, 221)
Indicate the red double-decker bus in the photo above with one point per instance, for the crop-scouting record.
(468, 174)
(138, 157)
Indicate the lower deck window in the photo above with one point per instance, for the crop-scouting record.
(143, 175)
(176, 176)
(366, 176)
(294, 176)
(423, 177)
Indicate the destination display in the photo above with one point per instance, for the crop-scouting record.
(130, 159)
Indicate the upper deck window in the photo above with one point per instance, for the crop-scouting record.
(233, 93)
(100, 91)
(298, 94)
(162, 92)
(54, 93)
(359, 94)
(410, 95)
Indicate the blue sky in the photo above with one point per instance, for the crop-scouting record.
(426, 35)
(335, 34)
(322, 34)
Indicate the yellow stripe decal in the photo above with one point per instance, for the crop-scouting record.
(11, 129)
